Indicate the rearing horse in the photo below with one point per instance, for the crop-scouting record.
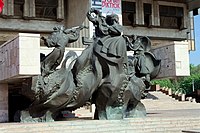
(68, 87)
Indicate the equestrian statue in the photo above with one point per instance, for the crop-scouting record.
(103, 74)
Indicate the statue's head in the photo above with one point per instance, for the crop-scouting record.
(110, 19)
(57, 36)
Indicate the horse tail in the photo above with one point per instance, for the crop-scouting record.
(69, 60)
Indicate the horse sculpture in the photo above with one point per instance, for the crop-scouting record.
(103, 73)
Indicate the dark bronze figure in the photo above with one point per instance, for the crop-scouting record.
(103, 73)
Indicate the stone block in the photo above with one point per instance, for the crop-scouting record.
(23, 50)
(174, 59)
(183, 97)
(170, 92)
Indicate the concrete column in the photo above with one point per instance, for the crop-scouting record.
(139, 8)
(156, 14)
(8, 9)
(29, 8)
(3, 102)
(60, 10)
(185, 17)
(137, 12)
(5, 8)
(190, 33)
(152, 13)
(76, 12)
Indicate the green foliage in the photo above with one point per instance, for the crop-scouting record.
(187, 83)
(194, 69)
(163, 83)
(183, 84)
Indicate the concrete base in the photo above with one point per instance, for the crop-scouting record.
(3, 102)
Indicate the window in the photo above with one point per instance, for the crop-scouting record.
(128, 13)
(34, 9)
(171, 17)
(46, 8)
(147, 14)
(18, 7)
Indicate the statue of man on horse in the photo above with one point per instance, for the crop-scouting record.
(103, 74)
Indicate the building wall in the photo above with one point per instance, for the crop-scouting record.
(28, 22)
(174, 59)
(69, 13)
(76, 12)
(20, 57)
(154, 31)
(73, 13)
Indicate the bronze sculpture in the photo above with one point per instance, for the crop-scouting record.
(103, 73)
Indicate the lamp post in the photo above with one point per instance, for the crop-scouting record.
(192, 85)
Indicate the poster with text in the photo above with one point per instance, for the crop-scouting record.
(111, 6)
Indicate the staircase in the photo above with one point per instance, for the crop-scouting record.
(157, 100)
(164, 115)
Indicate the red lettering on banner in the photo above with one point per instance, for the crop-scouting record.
(117, 5)
(103, 4)
(110, 4)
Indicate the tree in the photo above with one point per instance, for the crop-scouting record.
(183, 84)
(194, 78)
(163, 83)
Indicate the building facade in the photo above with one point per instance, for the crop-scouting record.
(168, 23)
(40, 16)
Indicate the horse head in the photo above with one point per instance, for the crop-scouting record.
(58, 37)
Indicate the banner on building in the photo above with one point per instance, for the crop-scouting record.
(1, 5)
(107, 6)
(111, 6)
(97, 4)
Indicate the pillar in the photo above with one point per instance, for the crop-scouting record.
(3, 102)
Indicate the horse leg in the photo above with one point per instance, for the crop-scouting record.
(108, 101)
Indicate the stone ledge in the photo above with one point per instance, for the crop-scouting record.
(20, 57)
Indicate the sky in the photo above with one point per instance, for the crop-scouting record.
(195, 55)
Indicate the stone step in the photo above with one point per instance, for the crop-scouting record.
(160, 101)
(161, 95)
(89, 126)
(96, 129)
(158, 123)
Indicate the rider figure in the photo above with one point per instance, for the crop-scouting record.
(109, 42)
